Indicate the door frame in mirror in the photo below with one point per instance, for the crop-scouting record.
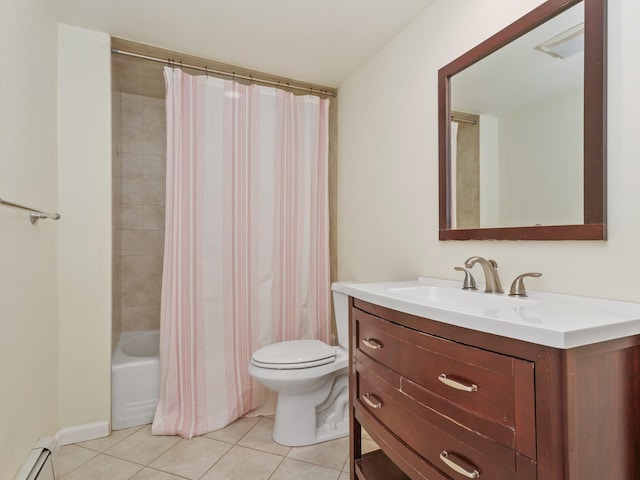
(595, 71)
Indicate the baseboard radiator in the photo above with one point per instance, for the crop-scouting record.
(39, 463)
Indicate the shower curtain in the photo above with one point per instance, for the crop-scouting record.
(246, 256)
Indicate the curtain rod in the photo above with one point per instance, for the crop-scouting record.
(171, 62)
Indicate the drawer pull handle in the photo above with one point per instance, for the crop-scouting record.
(444, 456)
(371, 400)
(457, 385)
(372, 343)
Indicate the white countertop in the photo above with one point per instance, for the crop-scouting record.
(555, 320)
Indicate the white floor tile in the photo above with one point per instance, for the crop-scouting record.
(104, 467)
(70, 457)
(142, 447)
(259, 438)
(151, 474)
(191, 458)
(235, 431)
(242, 463)
(330, 454)
(290, 468)
(104, 443)
(135, 454)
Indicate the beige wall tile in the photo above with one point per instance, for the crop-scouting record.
(135, 319)
(142, 242)
(132, 281)
(152, 278)
(140, 199)
(147, 192)
(132, 216)
(154, 167)
(131, 111)
(131, 165)
(153, 217)
(153, 118)
(143, 141)
(117, 241)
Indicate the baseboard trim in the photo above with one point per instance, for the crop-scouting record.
(82, 433)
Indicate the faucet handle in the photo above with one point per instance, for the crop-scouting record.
(469, 282)
(517, 287)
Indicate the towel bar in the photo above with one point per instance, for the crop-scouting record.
(34, 215)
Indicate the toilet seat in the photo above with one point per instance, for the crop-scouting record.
(294, 354)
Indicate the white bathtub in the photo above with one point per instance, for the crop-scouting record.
(135, 379)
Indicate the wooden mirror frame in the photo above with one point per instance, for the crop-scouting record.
(594, 135)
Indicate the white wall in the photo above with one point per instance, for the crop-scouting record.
(541, 153)
(84, 152)
(388, 175)
(28, 305)
(489, 172)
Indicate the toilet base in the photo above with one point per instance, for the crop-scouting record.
(317, 418)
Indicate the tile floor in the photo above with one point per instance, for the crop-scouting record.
(243, 450)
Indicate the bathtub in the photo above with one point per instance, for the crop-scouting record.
(135, 379)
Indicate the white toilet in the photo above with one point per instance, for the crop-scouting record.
(312, 382)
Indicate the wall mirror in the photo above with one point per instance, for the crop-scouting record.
(522, 130)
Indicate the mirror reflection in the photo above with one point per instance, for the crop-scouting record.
(517, 121)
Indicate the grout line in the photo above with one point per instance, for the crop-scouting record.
(83, 463)
(217, 461)
(276, 469)
(163, 471)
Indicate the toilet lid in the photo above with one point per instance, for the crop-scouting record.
(294, 354)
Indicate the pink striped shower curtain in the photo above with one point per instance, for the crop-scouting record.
(246, 256)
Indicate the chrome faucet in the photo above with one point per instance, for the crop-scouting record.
(492, 280)
(469, 282)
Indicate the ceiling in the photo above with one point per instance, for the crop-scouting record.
(517, 75)
(317, 42)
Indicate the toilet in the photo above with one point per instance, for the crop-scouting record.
(312, 382)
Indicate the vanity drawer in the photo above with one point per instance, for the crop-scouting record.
(412, 465)
(486, 384)
(437, 439)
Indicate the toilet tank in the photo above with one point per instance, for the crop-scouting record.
(341, 309)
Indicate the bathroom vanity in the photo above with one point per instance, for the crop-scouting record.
(454, 384)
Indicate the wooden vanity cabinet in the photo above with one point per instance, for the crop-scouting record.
(446, 403)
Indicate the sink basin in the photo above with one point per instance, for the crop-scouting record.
(452, 298)
(552, 319)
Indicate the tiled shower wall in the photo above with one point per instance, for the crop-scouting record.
(140, 213)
